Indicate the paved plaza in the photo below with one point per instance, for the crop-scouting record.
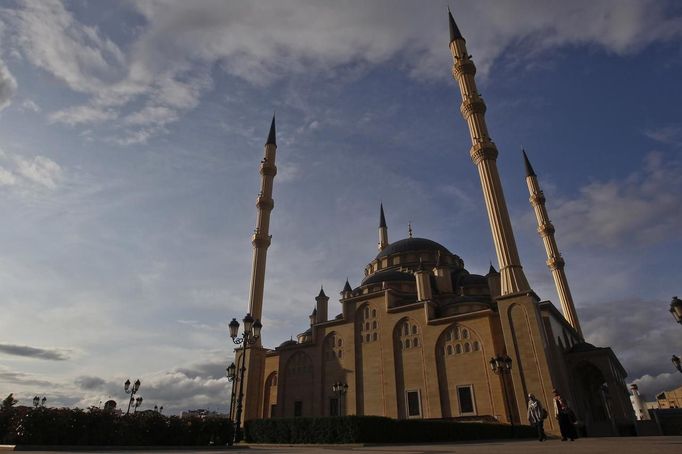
(657, 445)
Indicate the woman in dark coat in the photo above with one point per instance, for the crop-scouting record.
(566, 417)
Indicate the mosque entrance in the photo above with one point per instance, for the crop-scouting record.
(592, 395)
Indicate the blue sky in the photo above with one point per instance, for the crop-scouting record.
(130, 137)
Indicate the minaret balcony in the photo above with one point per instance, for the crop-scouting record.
(546, 229)
(483, 150)
(260, 240)
(471, 106)
(263, 203)
(537, 199)
(463, 66)
(555, 263)
(268, 169)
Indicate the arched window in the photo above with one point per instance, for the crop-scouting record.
(467, 347)
(414, 329)
(339, 343)
(374, 312)
(406, 329)
(465, 334)
(476, 346)
(367, 325)
(448, 336)
(407, 343)
(374, 336)
(457, 333)
(367, 312)
(449, 349)
(374, 324)
(415, 342)
(458, 349)
(369, 338)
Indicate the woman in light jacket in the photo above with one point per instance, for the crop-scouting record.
(536, 416)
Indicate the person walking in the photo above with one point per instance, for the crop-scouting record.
(536, 416)
(565, 416)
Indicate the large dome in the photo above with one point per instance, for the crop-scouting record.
(388, 276)
(412, 245)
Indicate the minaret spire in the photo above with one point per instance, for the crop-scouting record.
(484, 155)
(261, 237)
(554, 260)
(454, 30)
(383, 230)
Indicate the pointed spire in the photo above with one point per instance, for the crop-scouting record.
(454, 30)
(314, 311)
(492, 269)
(347, 287)
(382, 218)
(529, 168)
(272, 140)
(321, 295)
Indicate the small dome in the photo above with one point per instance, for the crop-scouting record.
(387, 276)
(412, 245)
(287, 343)
(474, 279)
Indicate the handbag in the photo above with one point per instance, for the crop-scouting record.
(544, 414)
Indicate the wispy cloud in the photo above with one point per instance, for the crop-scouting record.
(52, 354)
(27, 173)
(670, 134)
(643, 208)
(8, 85)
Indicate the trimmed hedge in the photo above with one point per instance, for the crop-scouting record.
(48, 426)
(375, 429)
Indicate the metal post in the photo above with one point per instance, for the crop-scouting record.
(240, 397)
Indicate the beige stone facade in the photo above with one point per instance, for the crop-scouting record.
(414, 338)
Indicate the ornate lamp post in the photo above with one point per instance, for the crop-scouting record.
(231, 373)
(676, 309)
(38, 402)
(132, 391)
(249, 337)
(502, 365)
(158, 409)
(138, 402)
(677, 363)
(340, 389)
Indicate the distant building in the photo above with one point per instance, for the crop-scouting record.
(415, 337)
(199, 413)
(670, 399)
(640, 407)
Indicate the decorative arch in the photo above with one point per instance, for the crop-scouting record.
(367, 321)
(463, 379)
(410, 370)
(270, 395)
(332, 347)
(298, 380)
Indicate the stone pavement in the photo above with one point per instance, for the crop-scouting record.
(653, 445)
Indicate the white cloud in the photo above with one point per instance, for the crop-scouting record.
(643, 208)
(40, 170)
(85, 114)
(167, 65)
(670, 134)
(27, 173)
(30, 106)
(8, 85)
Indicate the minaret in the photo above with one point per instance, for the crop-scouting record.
(261, 237)
(554, 260)
(484, 155)
(383, 230)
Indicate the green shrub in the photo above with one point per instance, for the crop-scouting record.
(375, 429)
(48, 426)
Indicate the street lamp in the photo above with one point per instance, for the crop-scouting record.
(132, 390)
(502, 365)
(676, 309)
(231, 374)
(340, 389)
(249, 337)
(677, 363)
(38, 402)
(138, 402)
(158, 409)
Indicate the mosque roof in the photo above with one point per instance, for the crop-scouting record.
(410, 245)
(387, 276)
(288, 343)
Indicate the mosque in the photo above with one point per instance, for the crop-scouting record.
(416, 336)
